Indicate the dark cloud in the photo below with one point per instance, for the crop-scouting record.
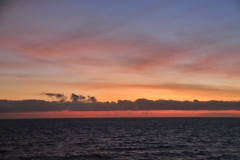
(80, 98)
(91, 104)
(77, 98)
(74, 97)
(92, 99)
(58, 96)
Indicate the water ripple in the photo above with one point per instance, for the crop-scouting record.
(146, 138)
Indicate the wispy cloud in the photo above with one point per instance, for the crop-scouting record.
(58, 96)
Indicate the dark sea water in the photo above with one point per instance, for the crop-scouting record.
(126, 138)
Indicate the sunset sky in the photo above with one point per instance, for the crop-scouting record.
(120, 49)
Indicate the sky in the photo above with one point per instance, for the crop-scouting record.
(120, 50)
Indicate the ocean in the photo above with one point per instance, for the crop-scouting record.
(120, 138)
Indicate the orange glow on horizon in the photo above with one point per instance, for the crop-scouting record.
(109, 92)
(121, 114)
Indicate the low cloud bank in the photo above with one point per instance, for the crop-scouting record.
(91, 104)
